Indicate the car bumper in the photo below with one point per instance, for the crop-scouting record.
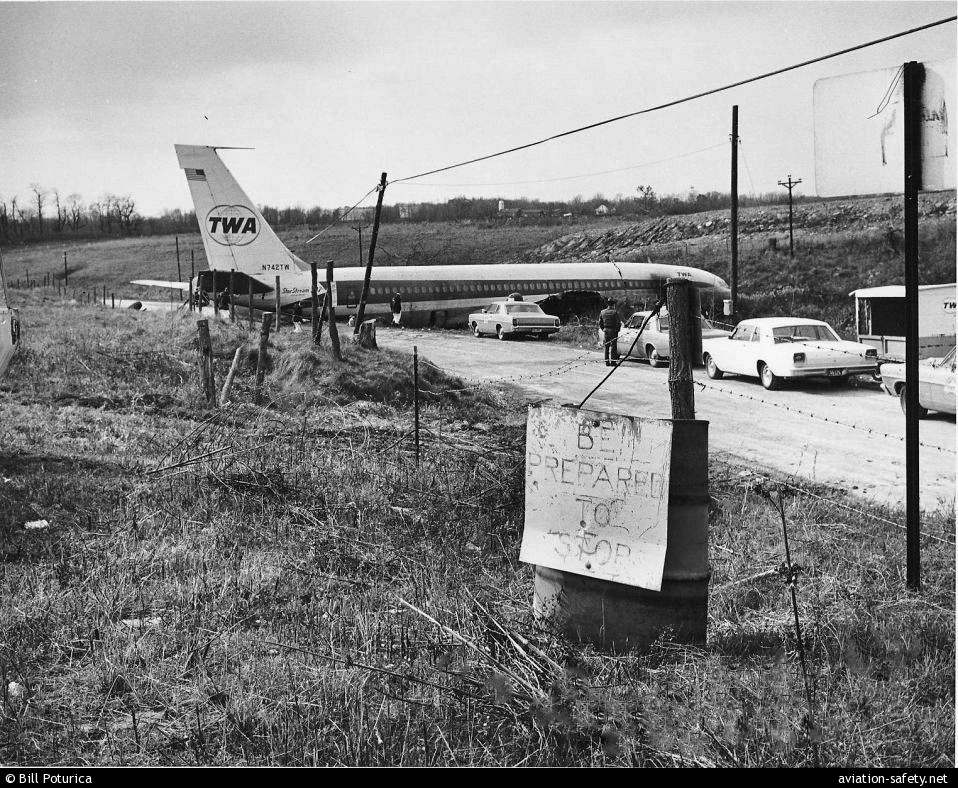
(534, 330)
(832, 372)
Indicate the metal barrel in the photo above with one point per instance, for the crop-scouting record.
(621, 617)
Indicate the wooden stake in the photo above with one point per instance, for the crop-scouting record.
(680, 349)
(205, 361)
(225, 393)
(277, 291)
(331, 307)
(314, 303)
(250, 288)
(415, 396)
(261, 360)
(232, 292)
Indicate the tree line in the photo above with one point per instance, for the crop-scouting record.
(46, 214)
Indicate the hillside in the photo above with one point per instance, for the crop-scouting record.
(882, 215)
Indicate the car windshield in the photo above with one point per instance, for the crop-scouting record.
(516, 308)
(802, 332)
(706, 325)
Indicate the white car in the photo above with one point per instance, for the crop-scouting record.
(774, 349)
(936, 383)
(513, 318)
(654, 342)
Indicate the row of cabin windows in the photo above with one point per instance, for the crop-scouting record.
(494, 288)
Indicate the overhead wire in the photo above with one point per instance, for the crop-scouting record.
(581, 175)
(343, 215)
(676, 102)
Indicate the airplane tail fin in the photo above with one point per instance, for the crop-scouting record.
(235, 234)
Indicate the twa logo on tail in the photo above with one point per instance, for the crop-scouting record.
(232, 225)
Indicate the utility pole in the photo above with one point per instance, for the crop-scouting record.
(734, 227)
(790, 184)
(361, 312)
(912, 79)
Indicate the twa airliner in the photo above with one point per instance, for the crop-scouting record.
(237, 239)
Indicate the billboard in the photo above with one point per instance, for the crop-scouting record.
(859, 131)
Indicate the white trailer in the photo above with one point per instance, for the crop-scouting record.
(880, 319)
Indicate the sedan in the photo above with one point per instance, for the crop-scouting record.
(774, 349)
(513, 318)
(654, 342)
(936, 384)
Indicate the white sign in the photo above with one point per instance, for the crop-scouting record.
(333, 294)
(859, 131)
(597, 494)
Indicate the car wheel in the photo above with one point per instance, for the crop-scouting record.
(770, 380)
(922, 412)
(655, 360)
(500, 333)
(711, 368)
(475, 330)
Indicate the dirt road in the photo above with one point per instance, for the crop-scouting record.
(847, 438)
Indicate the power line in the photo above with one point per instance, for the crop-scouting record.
(343, 215)
(582, 175)
(676, 102)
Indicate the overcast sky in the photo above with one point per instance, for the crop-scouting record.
(93, 96)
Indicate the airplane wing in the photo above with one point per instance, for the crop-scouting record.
(182, 286)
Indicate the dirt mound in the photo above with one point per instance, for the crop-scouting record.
(631, 242)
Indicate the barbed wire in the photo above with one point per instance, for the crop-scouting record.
(832, 502)
(807, 414)
(582, 360)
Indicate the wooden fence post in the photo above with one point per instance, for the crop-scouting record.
(367, 335)
(250, 293)
(205, 361)
(415, 396)
(261, 359)
(66, 272)
(278, 292)
(314, 303)
(331, 307)
(680, 349)
(225, 393)
(232, 287)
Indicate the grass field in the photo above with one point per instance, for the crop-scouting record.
(282, 585)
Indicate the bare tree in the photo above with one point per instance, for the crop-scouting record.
(126, 211)
(16, 215)
(75, 211)
(61, 210)
(40, 195)
(4, 221)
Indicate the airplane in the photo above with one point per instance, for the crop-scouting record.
(237, 239)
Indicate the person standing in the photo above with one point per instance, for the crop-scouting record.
(610, 323)
(396, 306)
